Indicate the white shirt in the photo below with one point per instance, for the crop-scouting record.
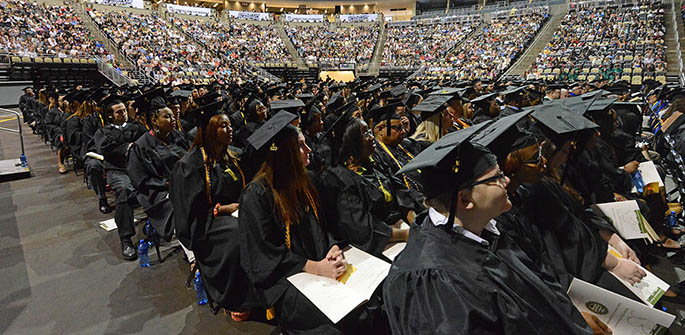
(438, 219)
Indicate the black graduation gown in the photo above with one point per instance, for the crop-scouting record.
(321, 155)
(113, 143)
(150, 163)
(569, 234)
(91, 124)
(624, 147)
(587, 177)
(398, 157)
(73, 135)
(51, 126)
(215, 241)
(354, 205)
(446, 283)
(268, 263)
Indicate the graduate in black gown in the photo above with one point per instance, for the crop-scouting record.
(205, 189)
(150, 162)
(458, 274)
(94, 169)
(283, 232)
(364, 207)
(113, 143)
(255, 114)
(393, 150)
(53, 127)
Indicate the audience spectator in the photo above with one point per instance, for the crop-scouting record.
(489, 53)
(334, 44)
(155, 46)
(610, 37)
(32, 30)
(411, 46)
(245, 41)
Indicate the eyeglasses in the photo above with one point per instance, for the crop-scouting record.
(500, 179)
(368, 134)
(537, 159)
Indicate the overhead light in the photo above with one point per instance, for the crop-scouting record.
(216, 4)
(281, 9)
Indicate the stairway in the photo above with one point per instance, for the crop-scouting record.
(375, 65)
(79, 8)
(669, 38)
(541, 40)
(280, 28)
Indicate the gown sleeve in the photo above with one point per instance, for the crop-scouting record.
(142, 172)
(110, 145)
(264, 256)
(357, 225)
(192, 213)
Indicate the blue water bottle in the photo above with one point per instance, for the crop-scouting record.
(673, 219)
(22, 158)
(142, 254)
(637, 181)
(200, 290)
(149, 232)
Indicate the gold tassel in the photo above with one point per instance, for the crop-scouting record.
(270, 313)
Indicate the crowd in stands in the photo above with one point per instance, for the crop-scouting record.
(334, 44)
(238, 40)
(155, 46)
(410, 46)
(490, 52)
(33, 30)
(609, 39)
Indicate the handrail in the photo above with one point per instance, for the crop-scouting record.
(681, 75)
(21, 134)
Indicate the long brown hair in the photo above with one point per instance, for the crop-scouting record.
(284, 172)
(206, 138)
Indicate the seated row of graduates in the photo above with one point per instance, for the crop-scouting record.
(294, 219)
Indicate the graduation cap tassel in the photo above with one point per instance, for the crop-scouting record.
(453, 210)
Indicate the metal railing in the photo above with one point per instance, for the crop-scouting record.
(679, 54)
(15, 131)
(113, 74)
(418, 72)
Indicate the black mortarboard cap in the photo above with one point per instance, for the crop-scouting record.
(500, 137)
(112, 99)
(560, 124)
(431, 105)
(385, 113)
(290, 105)
(269, 131)
(398, 90)
(451, 162)
(343, 113)
(600, 104)
(205, 113)
(207, 98)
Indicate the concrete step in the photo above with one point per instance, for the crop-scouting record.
(280, 28)
(543, 38)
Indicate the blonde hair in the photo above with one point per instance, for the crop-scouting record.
(429, 130)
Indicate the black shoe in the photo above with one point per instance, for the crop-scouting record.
(105, 207)
(128, 251)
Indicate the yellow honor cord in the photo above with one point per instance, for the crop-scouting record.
(406, 182)
(207, 178)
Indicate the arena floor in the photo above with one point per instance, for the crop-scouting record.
(62, 274)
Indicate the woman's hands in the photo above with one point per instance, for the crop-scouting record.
(222, 210)
(629, 271)
(598, 327)
(332, 266)
(618, 244)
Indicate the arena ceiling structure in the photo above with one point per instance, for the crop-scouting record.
(305, 7)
